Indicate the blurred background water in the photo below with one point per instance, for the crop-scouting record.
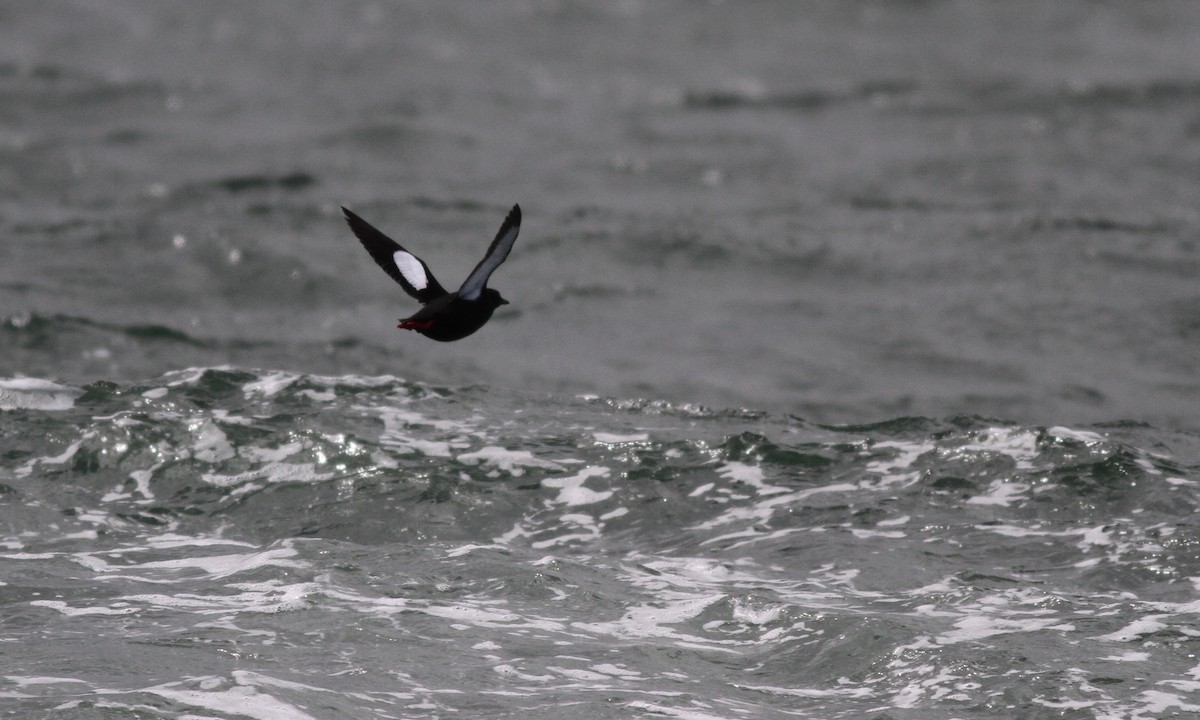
(851, 370)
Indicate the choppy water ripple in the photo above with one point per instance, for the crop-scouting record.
(235, 543)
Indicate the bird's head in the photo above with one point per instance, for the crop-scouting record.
(493, 298)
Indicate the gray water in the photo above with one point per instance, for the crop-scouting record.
(851, 370)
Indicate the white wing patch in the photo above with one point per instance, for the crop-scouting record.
(412, 269)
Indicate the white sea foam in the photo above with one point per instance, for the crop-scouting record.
(1018, 443)
(1000, 492)
(1084, 436)
(571, 490)
(764, 559)
(751, 475)
(275, 472)
(658, 620)
(978, 627)
(265, 597)
(762, 510)
(220, 566)
(897, 469)
(270, 385)
(615, 438)
(857, 692)
(511, 462)
(409, 430)
(67, 454)
(868, 534)
(579, 528)
(1136, 629)
(70, 611)
(210, 444)
(26, 681)
(643, 706)
(35, 394)
(241, 700)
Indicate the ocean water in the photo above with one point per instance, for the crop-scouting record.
(852, 368)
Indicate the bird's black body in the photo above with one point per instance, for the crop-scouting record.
(445, 316)
(449, 318)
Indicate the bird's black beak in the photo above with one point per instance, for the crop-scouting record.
(503, 301)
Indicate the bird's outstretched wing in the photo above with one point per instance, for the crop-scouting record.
(405, 268)
(473, 286)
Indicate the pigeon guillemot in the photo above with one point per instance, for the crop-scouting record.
(445, 316)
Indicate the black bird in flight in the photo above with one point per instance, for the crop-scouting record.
(445, 316)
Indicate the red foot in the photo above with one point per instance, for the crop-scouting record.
(415, 324)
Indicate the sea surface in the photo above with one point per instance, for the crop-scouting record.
(852, 369)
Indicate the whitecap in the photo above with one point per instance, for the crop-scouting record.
(614, 438)
(240, 700)
(571, 490)
(270, 385)
(513, 462)
(1000, 492)
(23, 393)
